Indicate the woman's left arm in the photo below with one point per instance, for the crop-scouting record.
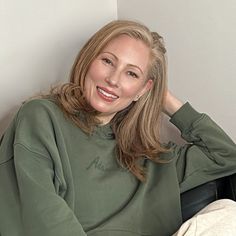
(171, 104)
(209, 154)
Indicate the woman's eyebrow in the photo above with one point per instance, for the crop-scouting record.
(111, 54)
(128, 64)
(136, 67)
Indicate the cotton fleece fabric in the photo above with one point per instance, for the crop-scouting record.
(55, 180)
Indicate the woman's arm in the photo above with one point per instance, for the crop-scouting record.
(43, 193)
(44, 211)
(171, 104)
(209, 153)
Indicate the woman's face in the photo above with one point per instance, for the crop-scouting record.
(117, 76)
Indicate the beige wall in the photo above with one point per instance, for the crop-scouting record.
(39, 40)
(201, 42)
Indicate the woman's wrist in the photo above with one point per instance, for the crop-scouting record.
(172, 104)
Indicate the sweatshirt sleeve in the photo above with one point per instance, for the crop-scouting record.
(42, 189)
(209, 153)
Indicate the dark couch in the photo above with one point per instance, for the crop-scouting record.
(195, 199)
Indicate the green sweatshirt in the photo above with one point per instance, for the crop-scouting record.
(57, 181)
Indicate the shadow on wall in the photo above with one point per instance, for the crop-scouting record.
(44, 73)
(169, 132)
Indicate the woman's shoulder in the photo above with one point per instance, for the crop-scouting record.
(38, 111)
(38, 107)
(39, 103)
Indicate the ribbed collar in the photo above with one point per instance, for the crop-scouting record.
(104, 131)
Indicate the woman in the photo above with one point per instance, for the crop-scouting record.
(87, 160)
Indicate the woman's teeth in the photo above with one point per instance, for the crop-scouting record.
(107, 94)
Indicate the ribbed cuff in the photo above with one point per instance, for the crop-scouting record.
(184, 117)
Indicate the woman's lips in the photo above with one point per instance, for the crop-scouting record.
(106, 94)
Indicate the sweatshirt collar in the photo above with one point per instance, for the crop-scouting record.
(104, 131)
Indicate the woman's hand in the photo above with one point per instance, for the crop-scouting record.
(171, 104)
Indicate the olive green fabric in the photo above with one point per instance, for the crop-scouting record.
(55, 180)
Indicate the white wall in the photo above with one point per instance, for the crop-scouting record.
(201, 42)
(39, 41)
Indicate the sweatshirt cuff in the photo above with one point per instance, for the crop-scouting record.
(184, 117)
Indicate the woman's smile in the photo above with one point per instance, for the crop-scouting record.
(107, 95)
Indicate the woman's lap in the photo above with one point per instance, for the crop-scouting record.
(216, 219)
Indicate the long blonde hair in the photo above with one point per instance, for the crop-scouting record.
(136, 128)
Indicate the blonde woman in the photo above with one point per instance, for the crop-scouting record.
(87, 159)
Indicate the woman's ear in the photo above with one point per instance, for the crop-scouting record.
(148, 85)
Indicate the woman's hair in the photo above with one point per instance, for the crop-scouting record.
(136, 128)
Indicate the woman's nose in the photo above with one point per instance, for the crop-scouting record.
(113, 79)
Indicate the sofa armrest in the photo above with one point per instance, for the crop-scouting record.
(195, 199)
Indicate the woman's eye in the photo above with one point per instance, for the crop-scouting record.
(107, 61)
(131, 73)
